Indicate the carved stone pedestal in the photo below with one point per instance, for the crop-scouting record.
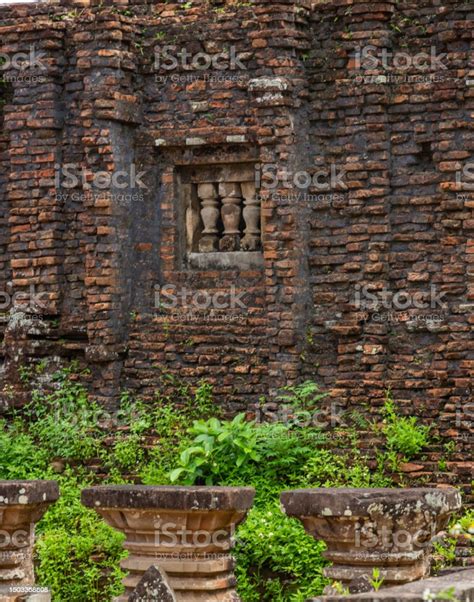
(185, 531)
(22, 504)
(364, 529)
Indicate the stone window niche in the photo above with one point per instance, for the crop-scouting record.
(221, 215)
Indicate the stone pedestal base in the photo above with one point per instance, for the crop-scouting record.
(22, 504)
(185, 531)
(366, 529)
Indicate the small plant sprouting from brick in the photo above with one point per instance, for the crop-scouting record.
(403, 433)
(377, 581)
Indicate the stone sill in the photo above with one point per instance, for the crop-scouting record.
(241, 260)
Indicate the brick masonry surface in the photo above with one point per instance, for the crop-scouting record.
(374, 101)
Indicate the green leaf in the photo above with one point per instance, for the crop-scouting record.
(175, 474)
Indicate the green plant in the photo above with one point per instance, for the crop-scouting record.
(467, 522)
(202, 404)
(65, 422)
(128, 453)
(276, 559)
(326, 468)
(78, 553)
(450, 447)
(218, 447)
(444, 553)
(446, 594)
(25, 372)
(340, 589)
(20, 456)
(376, 581)
(404, 435)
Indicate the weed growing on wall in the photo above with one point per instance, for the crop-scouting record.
(404, 434)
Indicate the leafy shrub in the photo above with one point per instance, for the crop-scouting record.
(326, 468)
(78, 553)
(404, 434)
(276, 559)
(305, 396)
(218, 449)
(20, 457)
(65, 421)
(128, 452)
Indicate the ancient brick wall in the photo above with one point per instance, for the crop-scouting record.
(386, 144)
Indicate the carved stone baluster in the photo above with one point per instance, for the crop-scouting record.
(209, 214)
(231, 212)
(251, 240)
(192, 227)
